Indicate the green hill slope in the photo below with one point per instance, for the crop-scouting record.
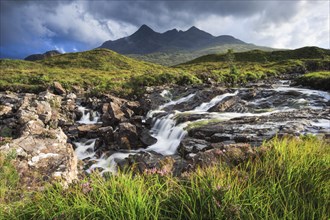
(256, 64)
(264, 56)
(99, 69)
(171, 58)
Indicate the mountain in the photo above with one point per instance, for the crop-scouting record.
(35, 57)
(173, 46)
(145, 41)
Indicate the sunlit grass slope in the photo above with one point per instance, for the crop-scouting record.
(99, 69)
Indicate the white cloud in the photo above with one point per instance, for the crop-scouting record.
(308, 27)
(60, 49)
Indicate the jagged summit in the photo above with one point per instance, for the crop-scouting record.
(145, 40)
(144, 29)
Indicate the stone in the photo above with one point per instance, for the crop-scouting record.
(146, 138)
(192, 145)
(127, 136)
(226, 103)
(71, 96)
(4, 110)
(58, 89)
(219, 137)
(88, 131)
(47, 154)
(115, 112)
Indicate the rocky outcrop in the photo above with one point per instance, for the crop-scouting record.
(43, 154)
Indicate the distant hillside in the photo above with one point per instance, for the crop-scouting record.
(173, 46)
(177, 57)
(35, 57)
(95, 70)
(256, 64)
(263, 56)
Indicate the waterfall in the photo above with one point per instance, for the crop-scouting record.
(85, 149)
(88, 117)
(169, 134)
(207, 105)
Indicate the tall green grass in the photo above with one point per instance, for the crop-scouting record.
(287, 179)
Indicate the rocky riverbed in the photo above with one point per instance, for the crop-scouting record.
(169, 130)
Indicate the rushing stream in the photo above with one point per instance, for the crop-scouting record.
(169, 133)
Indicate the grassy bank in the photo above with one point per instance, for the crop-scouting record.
(289, 180)
(316, 80)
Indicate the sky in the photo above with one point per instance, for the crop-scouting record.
(36, 26)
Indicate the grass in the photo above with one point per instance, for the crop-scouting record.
(255, 65)
(290, 179)
(103, 70)
(98, 70)
(176, 57)
(317, 80)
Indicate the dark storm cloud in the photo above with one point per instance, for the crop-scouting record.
(185, 13)
(35, 26)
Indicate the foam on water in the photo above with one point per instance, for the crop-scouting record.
(169, 134)
(86, 118)
(85, 149)
(207, 105)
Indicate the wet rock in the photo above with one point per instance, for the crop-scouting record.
(58, 88)
(88, 131)
(146, 138)
(226, 103)
(200, 97)
(107, 135)
(219, 137)
(135, 107)
(115, 116)
(192, 145)
(181, 118)
(127, 136)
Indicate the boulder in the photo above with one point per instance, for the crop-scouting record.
(231, 155)
(152, 163)
(146, 138)
(88, 131)
(43, 158)
(58, 88)
(192, 145)
(115, 112)
(5, 110)
(127, 137)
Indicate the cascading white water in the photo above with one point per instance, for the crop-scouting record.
(169, 134)
(85, 149)
(87, 118)
(207, 105)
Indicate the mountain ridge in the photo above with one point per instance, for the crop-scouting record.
(145, 41)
